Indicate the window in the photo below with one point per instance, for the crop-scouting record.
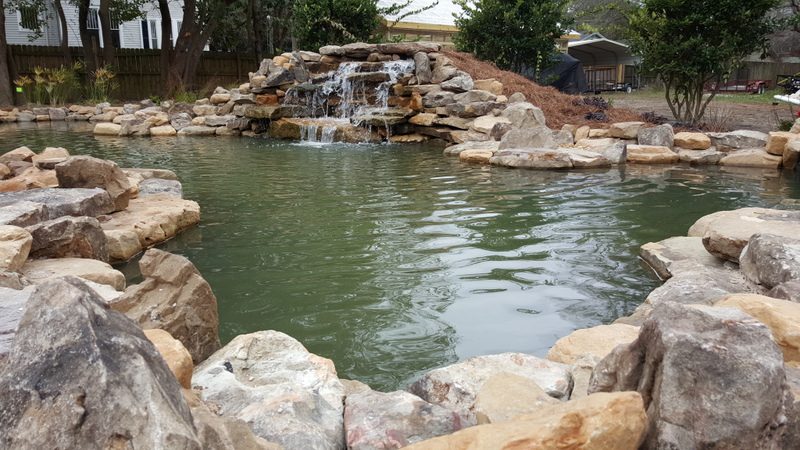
(29, 18)
(93, 21)
(177, 31)
(150, 34)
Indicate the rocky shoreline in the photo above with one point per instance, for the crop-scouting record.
(710, 359)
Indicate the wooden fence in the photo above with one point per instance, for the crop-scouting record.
(139, 71)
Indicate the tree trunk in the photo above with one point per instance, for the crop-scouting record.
(105, 28)
(257, 32)
(6, 95)
(166, 42)
(62, 18)
(89, 44)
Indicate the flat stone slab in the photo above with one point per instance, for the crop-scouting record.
(25, 208)
(726, 233)
(148, 221)
(455, 150)
(538, 158)
(670, 255)
(38, 271)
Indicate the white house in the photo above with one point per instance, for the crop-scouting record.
(144, 32)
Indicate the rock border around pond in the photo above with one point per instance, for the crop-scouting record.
(417, 94)
(717, 344)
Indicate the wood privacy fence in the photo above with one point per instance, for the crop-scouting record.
(139, 71)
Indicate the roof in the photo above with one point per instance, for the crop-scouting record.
(598, 50)
(441, 14)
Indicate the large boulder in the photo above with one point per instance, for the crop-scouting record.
(174, 297)
(69, 237)
(777, 141)
(534, 158)
(780, 316)
(625, 130)
(12, 305)
(661, 135)
(597, 422)
(585, 159)
(791, 155)
(286, 394)
(174, 354)
(739, 139)
(651, 154)
(506, 396)
(456, 386)
(30, 178)
(422, 68)
(525, 138)
(753, 157)
(670, 255)
(726, 233)
(692, 283)
(710, 378)
(612, 149)
(710, 157)
(82, 376)
(38, 271)
(18, 154)
(770, 260)
(148, 221)
(89, 172)
(524, 115)
(15, 246)
(377, 420)
(692, 141)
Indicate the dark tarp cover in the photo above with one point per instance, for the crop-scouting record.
(566, 75)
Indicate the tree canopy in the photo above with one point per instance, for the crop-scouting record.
(689, 44)
(514, 34)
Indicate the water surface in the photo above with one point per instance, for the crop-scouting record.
(392, 260)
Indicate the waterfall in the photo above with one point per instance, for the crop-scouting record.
(318, 132)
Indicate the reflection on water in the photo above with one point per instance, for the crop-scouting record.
(393, 259)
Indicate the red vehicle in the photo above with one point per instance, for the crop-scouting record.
(745, 86)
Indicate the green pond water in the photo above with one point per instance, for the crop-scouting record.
(392, 260)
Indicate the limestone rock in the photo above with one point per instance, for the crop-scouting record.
(739, 139)
(30, 178)
(708, 157)
(197, 130)
(789, 290)
(174, 297)
(490, 85)
(612, 149)
(443, 70)
(408, 48)
(535, 158)
(148, 221)
(38, 271)
(164, 130)
(506, 396)
(286, 394)
(695, 366)
(791, 155)
(435, 99)
(585, 159)
(524, 115)
(89, 172)
(174, 354)
(670, 255)
(422, 68)
(780, 316)
(455, 150)
(473, 96)
(625, 130)
(456, 386)
(358, 50)
(18, 154)
(49, 157)
(378, 420)
(599, 133)
(423, 119)
(726, 233)
(69, 237)
(598, 422)
(692, 141)
(15, 245)
(596, 342)
(661, 135)
(126, 397)
(771, 260)
(754, 157)
(777, 141)
(476, 156)
(107, 129)
(179, 121)
(12, 305)
(646, 154)
(331, 50)
(525, 138)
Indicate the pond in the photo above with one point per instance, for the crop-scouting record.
(392, 260)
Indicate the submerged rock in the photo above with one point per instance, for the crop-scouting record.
(286, 394)
(709, 377)
(378, 420)
(174, 297)
(456, 386)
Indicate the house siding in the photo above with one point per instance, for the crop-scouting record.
(130, 32)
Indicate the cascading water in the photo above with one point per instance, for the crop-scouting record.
(347, 95)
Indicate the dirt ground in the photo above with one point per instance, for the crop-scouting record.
(730, 113)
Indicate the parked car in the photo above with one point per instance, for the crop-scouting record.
(746, 86)
(790, 83)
